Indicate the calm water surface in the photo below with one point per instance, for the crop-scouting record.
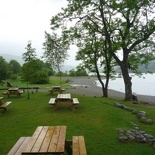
(144, 85)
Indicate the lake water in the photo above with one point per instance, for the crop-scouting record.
(144, 85)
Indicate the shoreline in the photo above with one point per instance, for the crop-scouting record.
(87, 86)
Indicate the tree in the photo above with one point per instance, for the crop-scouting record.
(127, 26)
(37, 72)
(94, 55)
(3, 69)
(14, 68)
(30, 53)
(27, 69)
(55, 51)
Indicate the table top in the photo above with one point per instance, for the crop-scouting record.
(56, 87)
(64, 96)
(47, 139)
(13, 89)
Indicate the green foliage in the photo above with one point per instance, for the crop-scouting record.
(30, 53)
(78, 72)
(40, 77)
(3, 69)
(35, 71)
(72, 72)
(14, 67)
(55, 50)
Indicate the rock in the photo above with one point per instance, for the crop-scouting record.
(141, 114)
(125, 107)
(149, 121)
(123, 139)
(120, 130)
(141, 139)
(117, 105)
(134, 111)
(131, 138)
(146, 120)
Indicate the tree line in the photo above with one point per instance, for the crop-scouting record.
(33, 71)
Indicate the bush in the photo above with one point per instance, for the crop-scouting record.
(40, 78)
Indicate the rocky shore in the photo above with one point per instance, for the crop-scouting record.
(87, 86)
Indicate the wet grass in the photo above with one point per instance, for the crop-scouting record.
(95, 118)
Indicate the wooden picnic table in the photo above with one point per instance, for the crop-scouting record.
(13, 91)
(64, 98)
(56, 89)
(47, 139)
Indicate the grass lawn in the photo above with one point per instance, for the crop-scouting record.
(95, 118)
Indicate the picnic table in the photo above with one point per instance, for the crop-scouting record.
(56, 89)
(64, 98)
(49, 140)
(45, 140)
(13, 91)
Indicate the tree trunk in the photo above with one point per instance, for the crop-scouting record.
(127, 82)
(104, 87)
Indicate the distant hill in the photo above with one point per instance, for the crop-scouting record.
(151, 67)
(9, 57)
(19, 59)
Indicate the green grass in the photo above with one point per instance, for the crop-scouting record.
(95, 118)
(54, 81)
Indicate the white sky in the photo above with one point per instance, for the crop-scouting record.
(24, 20)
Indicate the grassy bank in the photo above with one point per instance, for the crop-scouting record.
(95, 118)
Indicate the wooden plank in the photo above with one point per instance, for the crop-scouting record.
(39, 140)
(75, 145)
(79, 147)
(19, 146)
(16, 146)
(47, 140)
(52, 101)
(82, 146)
(75, 101)
(33, 139)
(22, 147)
(54, 140)
(61, 141)
(5, 104)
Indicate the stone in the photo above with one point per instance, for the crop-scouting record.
(149, 121)
(120, 130)
(123, 139)
(134, 111)
(141, 114)
(141, 139)
(131, 137)
(117, 104)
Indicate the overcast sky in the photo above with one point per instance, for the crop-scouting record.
(24, 20)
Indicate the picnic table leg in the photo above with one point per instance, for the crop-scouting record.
(68, 147)
(72, 105)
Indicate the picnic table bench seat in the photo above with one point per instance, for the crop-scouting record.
(76, 146)
(5, 93)
(20, 145)
(52, 101)
(21, 91)
(4, 105)
(75, 101)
